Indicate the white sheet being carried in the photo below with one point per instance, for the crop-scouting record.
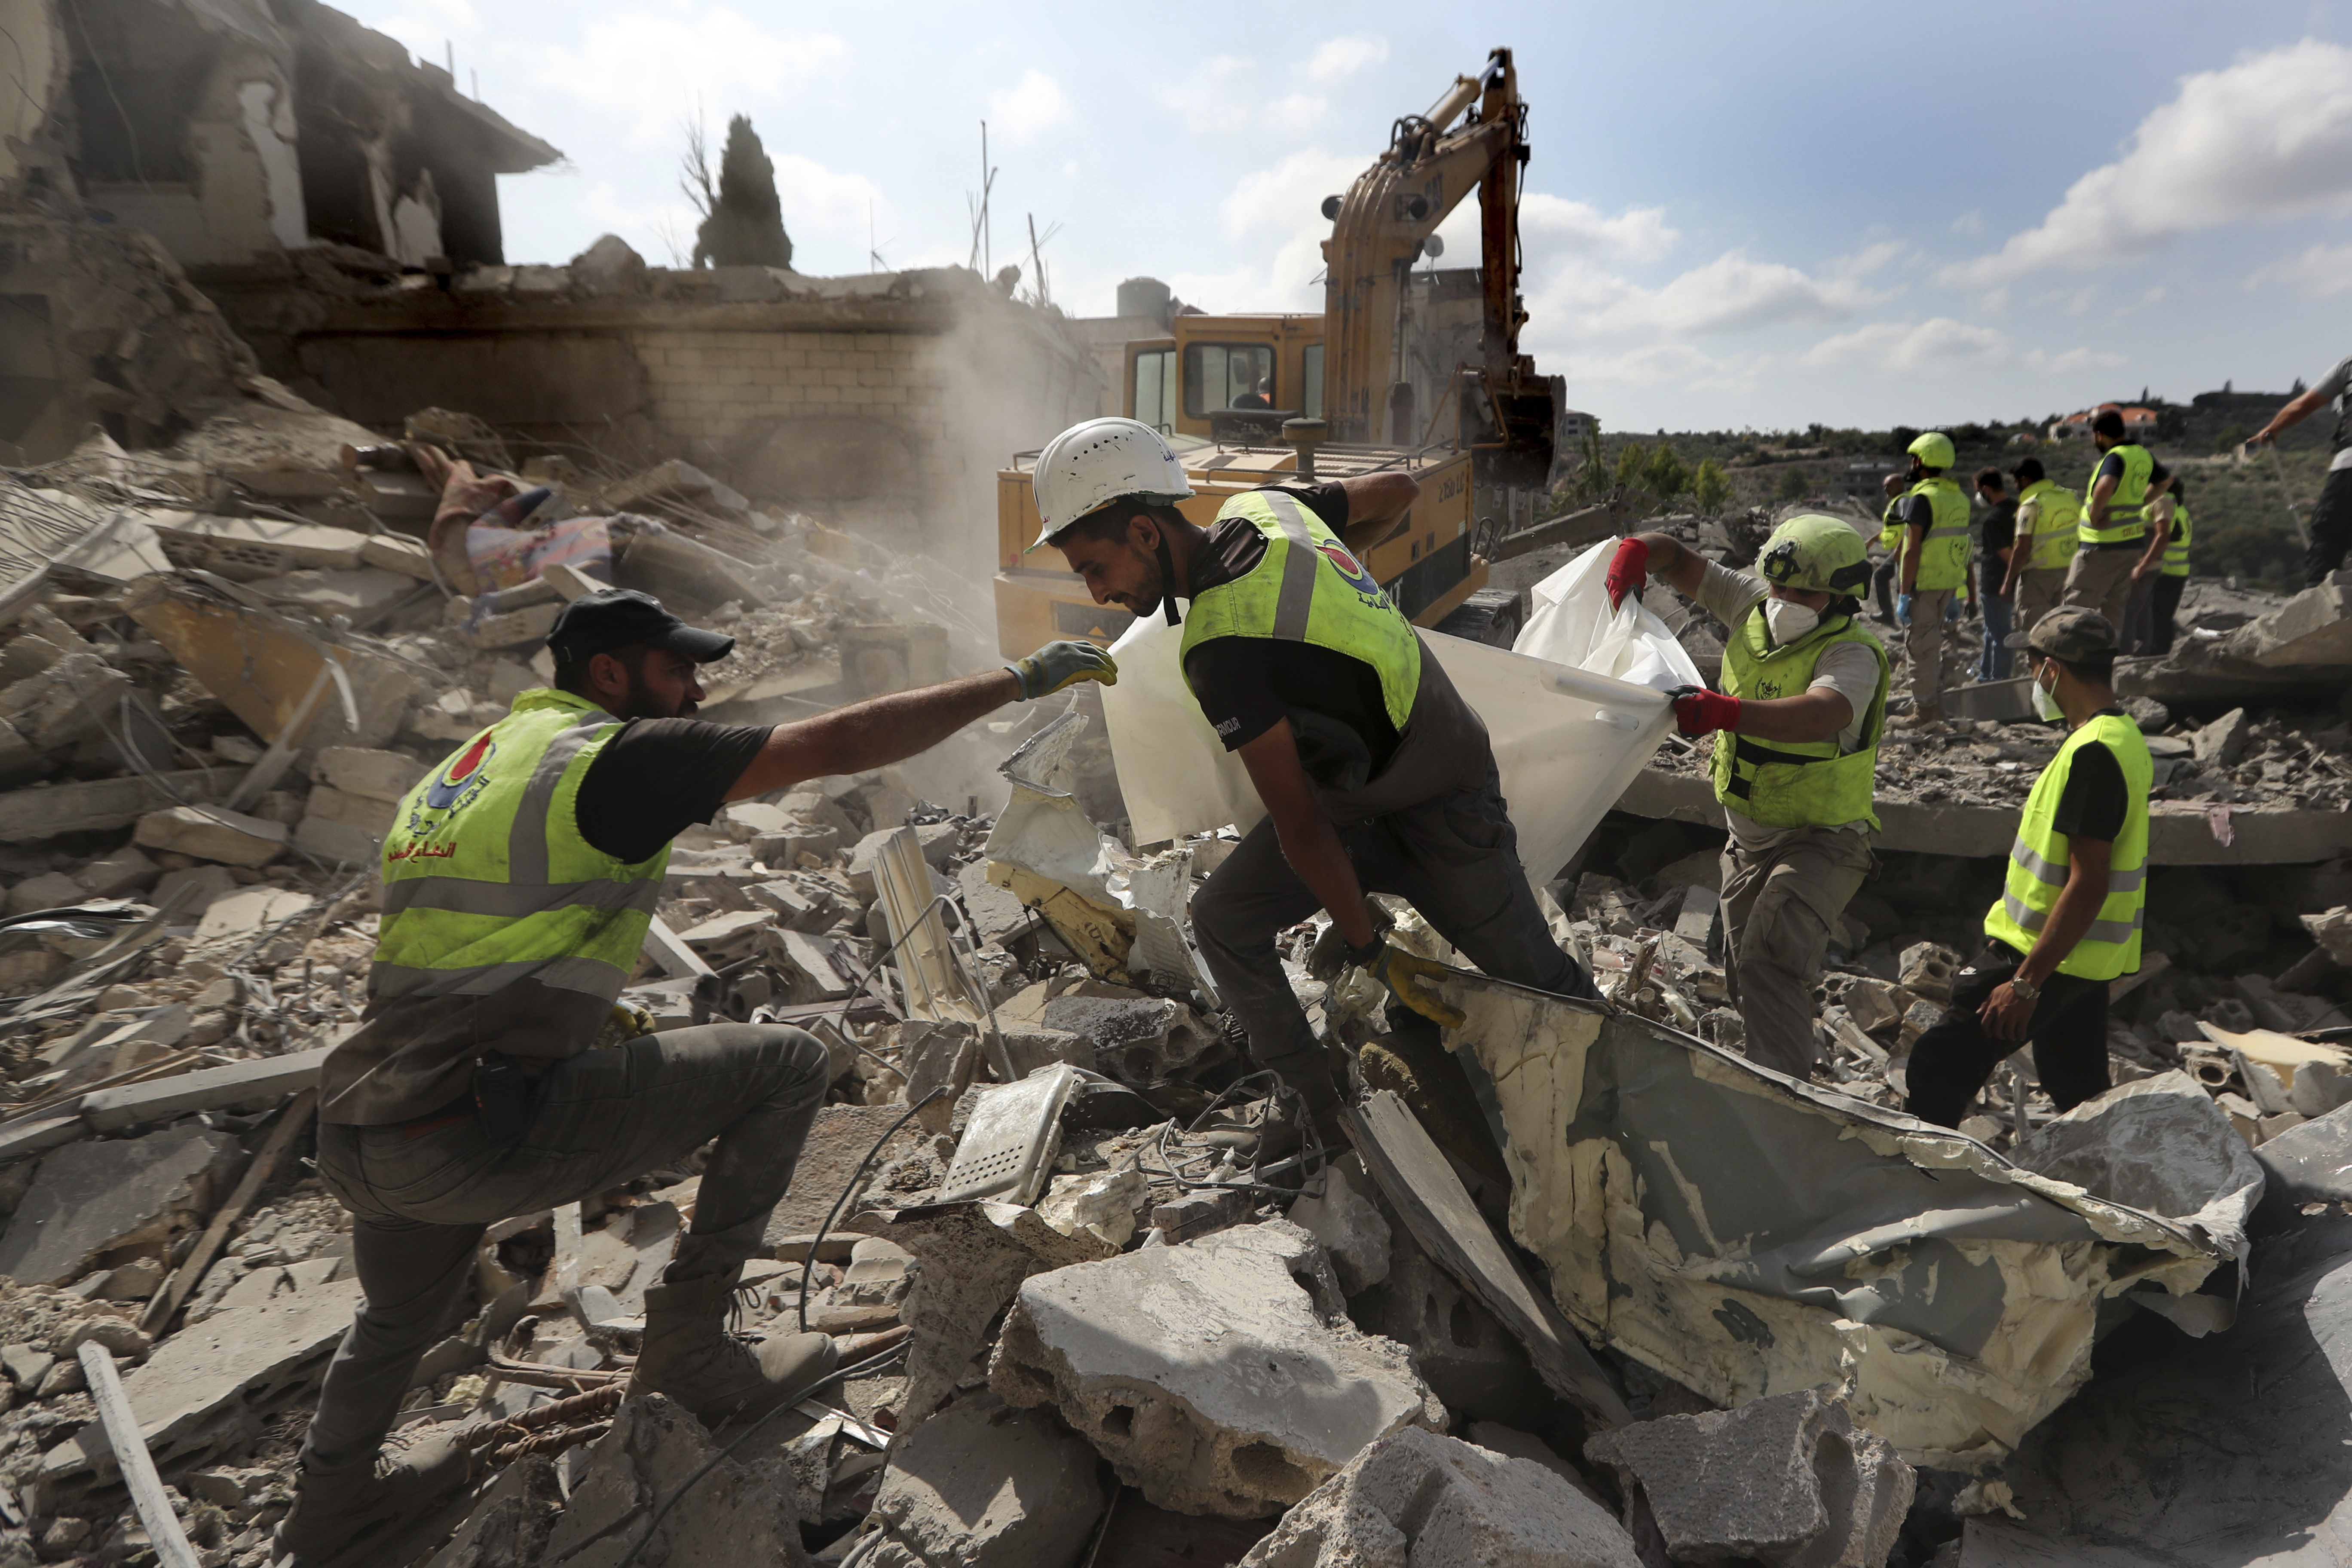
(1573, 624)
(1568, 742)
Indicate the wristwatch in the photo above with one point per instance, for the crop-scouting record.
(2020, 986)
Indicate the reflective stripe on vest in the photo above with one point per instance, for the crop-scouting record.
(2176, 548)
(487, 880)
(2057, 516)
(2127, 509)
(1308, 588)
(1796, 784)
(2038, 860)
(1944, 554)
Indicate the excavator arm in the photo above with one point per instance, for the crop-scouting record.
(1473, 138)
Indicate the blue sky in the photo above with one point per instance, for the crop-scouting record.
(1739, 216)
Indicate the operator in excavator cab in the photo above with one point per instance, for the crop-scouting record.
(1374, 772)
(1796, 727)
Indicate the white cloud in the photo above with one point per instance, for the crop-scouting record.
(1732, 294)
(1549, 222)
(2268, 138)
(1275, 219)
(1870, 259)
(1969, 222)
(1031, 106)
(1677, 366)
(2315, 274)
(1336, 59)
(650, 66)
(1941, 345)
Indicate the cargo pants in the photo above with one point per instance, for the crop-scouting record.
(1781, 907)
(2039, 591)
(2101, 580)
(1454, 857)
(420, 1203)
(1925, 646)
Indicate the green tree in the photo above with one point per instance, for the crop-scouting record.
(1633, 468)
(2231, 438)
(1794, 484)
(1710, 488)
(1668, 475)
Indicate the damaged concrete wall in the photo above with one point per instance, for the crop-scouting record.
(887, 402)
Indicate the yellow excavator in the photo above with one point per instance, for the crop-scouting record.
(1403, 371)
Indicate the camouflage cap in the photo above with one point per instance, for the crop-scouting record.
(2069, 633)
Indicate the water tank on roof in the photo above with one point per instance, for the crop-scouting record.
(1144, 297)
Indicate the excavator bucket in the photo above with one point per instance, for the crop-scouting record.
(1513, 427)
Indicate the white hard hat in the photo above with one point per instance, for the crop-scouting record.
(1097, 461)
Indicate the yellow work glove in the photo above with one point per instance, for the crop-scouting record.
(632, 1021)
(1403, 975)
(1062, 664)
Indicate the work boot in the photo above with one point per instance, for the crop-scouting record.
(416, 1468)
(722, 1377)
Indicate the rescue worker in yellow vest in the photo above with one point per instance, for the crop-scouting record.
(1935, 567)
(1796, 727)
(2047, 527)
(1376, 775)
(2068, 921)
(519, 880)
(2115, 522)
(1890, 540)
(2162, 573)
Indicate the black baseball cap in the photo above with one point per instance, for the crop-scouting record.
(2070, 633)
(618, 617)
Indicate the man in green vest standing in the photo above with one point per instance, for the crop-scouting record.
(519, 880)
(2048, 518)
(1935, 514)
(2163, 573)
(1797, 727)
(1374, 772)
(2068, 921)
(2115, 522)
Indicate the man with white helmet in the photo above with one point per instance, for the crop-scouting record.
(1797, 727)
(1375, 773)
(1935, 563)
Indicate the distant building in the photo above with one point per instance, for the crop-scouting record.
(2139, 423)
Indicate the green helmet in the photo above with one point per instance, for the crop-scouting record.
(1933, 449)
(1817, 553)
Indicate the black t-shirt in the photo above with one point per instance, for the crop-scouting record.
(2095, 800)
(659, 776)
(1919, 512)
(2000, 529)
(1245, 684)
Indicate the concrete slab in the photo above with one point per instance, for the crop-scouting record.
(1205, 1373)
(1438, 1503)
(265, 1078)
(210, 1385)
(34, 814)
(981, 1486)
(91, 1197)
(2181, 833)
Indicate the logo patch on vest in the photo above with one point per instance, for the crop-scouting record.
(1357, 577)
(467, 776)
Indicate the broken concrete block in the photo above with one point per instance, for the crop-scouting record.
(1102, 1203)
(124, 872)
(206, 886)
(397, 552)
(970, 1259)
(939, 1054)
(1429, 1501)
(861, 862)
(1144, 1037)
(67, 703)
(1034, 1047)
(213, 833)
(345, 806)
(209, 1387)
(740, 1513)
(815, 965)
(2313, 631)
(2222, 743)
(1349, 1224)
(1205, 1374)
(981, 1486)
(1469, 1359)
(49, 890)
(1926, 969)
(336, 843)
(34, 815)
(1920, 1018)
(1787, 1480)
(92, 1197)
(242, 916)
(1871, 1005)
(264, 1081)
(996, 915)
(507, 1528)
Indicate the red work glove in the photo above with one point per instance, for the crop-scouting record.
(1628, 570)
(1699, 712)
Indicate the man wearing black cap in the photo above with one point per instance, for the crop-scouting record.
(2068, 921)
(519, 878)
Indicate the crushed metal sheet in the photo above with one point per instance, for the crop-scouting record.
(1747, 1233)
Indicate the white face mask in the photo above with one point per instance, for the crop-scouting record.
(1789, 620)
(2045, 704)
